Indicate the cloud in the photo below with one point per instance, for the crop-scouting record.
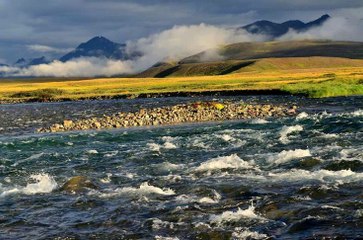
(81, 67)
(175, 43)
(182, 41)
(179, 42)
(47, 49)
(25, 23)
(336, 28)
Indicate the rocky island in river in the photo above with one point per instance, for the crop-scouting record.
(180, 113)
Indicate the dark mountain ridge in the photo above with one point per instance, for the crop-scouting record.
(278, 29)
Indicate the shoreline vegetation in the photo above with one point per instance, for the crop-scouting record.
(314, 77)
(177, 114)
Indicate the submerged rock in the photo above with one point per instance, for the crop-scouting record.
(77, 184)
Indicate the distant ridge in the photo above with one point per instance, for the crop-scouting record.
(278, 29)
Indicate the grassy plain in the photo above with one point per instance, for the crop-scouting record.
(298, 76)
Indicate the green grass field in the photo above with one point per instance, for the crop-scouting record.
(313, 77)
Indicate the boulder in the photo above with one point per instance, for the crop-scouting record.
(77, 184)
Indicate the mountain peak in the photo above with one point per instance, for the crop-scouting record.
(318, 21)
(20, 61)
(98, 46)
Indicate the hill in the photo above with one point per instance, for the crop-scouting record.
(263, 56)
(258, 50)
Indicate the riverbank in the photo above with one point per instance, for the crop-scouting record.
(176, 114)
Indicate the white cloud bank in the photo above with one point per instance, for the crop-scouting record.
(81, 67)
(335, 28)
(177, 43)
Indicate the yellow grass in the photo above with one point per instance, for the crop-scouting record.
(255, 79)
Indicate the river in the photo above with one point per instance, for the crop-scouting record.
(296, 177)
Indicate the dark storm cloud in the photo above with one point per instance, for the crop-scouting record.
(63, 24)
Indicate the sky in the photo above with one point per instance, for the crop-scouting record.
(33, 28)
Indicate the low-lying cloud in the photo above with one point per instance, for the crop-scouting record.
(46, 49)
(81, 67)
(177, 43)
(335, 28)
(182, 41)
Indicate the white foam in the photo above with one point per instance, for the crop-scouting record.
(302, 115)
(199, 143)
(130, 175)
(167, 166)
(106, 179)
(242, 234)
(287, 130)
(259, 121)
(154, 147)
(358, 213)
(289, 155)
(168, 138)
(184, 198)
(169, 142)
(230, 216)
(325, 176)
(207, 200)
(357, 113)
(144, 190)
(332, 207)
(165, 238)
(159, 224)
(351, 153)
(330, 135)
(111, 154)
(92, 151)
(169, 145)
(226, 137)
(227, 162)
(44, 183)
(35, 156)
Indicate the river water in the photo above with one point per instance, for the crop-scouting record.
(297, 177)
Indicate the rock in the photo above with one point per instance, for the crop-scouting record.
(67, 123)
(56, 128)
(77, 184)
(97, 125)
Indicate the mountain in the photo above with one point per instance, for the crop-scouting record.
(97, 47)
(38, 61)
(3, 65)
(278, 29)
(21, 62)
